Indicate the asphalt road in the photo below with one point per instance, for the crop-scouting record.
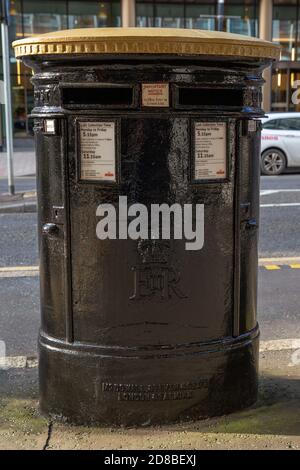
(279, 290)
(280, 216)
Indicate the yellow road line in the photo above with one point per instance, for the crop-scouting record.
(271, 267)
(271, 264)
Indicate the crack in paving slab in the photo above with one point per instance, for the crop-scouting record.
(50, 429)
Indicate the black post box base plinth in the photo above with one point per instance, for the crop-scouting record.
(85, 386)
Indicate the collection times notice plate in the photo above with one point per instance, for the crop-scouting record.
(97, 150)
(155, 95)
(210, 151)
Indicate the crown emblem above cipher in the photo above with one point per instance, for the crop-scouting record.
(154, 251)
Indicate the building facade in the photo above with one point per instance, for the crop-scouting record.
(277, 20)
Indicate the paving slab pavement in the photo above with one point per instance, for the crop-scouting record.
(272, 423)
(23, 161)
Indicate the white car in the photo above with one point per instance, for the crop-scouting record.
(280, 143)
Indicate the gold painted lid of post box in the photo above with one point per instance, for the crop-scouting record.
(146, 41)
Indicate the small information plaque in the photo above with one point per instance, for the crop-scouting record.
(210, 151)
(97, 151)
(155, 95)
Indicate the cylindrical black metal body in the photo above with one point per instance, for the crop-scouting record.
(137, 331)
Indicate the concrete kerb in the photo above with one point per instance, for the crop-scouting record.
(20, 202)
(28, 206)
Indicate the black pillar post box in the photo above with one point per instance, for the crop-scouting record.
(148, 150)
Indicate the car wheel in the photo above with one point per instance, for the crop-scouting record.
(273, 162)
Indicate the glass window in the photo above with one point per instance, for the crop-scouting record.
(238, 16)
(272, 124)
(241, 17)
(145, 13)
(200, 15)
(284, 124)
(169, 15)
(42, 17)
(22, 98)
(15, 29)
(286, 90)
(285, 27)
(294, 91)
(93, 14)
(289, 124)
(279, 90)
(29, 17)
(21, 91)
